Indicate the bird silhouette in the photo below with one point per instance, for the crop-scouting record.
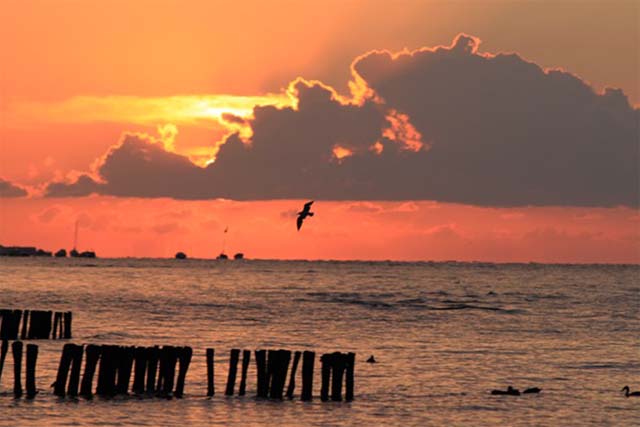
(632, 394)
(305, 212)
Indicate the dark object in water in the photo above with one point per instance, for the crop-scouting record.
(632, 394)
(371, 359)
(532, 390)
(510, 391)
(239, 255)
(86, 254)
(305, 212)
(181, 255)
(62, 253)
(222, 256)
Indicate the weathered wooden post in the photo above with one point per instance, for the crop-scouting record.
(34, 324)
(210, 372)
(308, 360)
(67, 324)
(233, 370)
(25, 324)
(327, 361)
(109, 362)
(246, 357)
(56, 324)
(124, 369)
(16, 349)
(153, 356)
(14, 324)
(32, 358)
(3, 354)
(74, 379)
(92, 355)
(171, 358)
(292, 377)
(140, 368)
(184, 359)
(337, 376)
(46, 324)
(63, 370)
(350, 369)
(279, 368)
(261, 368)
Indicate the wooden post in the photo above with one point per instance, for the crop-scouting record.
(109, 362)
(34, 324)
(25, 324)
(153, 355)
(337, 376)
(32, 357)
(4, 330)
(16, 349)
(279, 372)
(261, 368)
(63, 370)
(140, 367)
(14, 329)
(308, 360)
(246, 357)
(60, 334)
(350, 362)
(124, 369)
(210, 386)
(46, 324)
(3, 354)
(76, 364)
(184, 358)
(233, 370)
(169, 369)
(92, 355)
(56, 323)
(292, 377)
(326, 360)
(272, 361)
(67, 324)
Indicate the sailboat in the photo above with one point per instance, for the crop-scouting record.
(222, 254)
(74, 252)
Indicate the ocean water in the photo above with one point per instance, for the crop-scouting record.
(444, 334)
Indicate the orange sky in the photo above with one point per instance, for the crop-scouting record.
(76, 75)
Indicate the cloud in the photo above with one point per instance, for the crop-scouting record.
(8, 189)
(503, 131)
(448, 124)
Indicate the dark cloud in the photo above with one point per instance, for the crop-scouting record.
(447, 124)
(7, 189)
(503, 131)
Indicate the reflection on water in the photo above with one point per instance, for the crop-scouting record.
(444, 336)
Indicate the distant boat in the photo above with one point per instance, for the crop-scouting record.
(181, 255)
(239, 255)
(74, 252)
(62, 253)
(222, 256)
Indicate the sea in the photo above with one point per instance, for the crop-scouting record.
(444, 335)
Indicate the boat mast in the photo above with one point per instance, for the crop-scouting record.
(75, 237)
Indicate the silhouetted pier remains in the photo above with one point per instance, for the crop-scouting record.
(36, 324)
(161, 371)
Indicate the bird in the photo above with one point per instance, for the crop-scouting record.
(532, 390)
(509, 392)
(305, 212)
(371, 359)
(632, 394)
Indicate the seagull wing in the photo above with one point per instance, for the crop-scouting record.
(307, 206)
(299, 221)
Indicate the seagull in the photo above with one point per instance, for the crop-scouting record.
(632, 394)
(305, 212)
(371, 359)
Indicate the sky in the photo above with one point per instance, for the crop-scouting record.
(425, 130)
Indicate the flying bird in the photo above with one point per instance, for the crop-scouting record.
(305, 212)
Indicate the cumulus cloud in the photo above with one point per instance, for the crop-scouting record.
(447, 124)
(8, 189)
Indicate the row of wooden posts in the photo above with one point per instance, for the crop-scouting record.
(36, 324)
(154, 371)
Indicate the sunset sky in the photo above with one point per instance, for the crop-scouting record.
(425, 130)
